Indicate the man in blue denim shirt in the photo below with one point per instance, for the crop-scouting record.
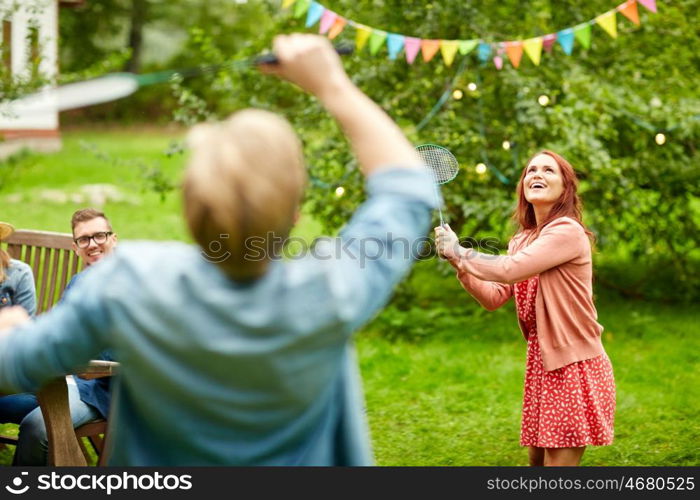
(231, 356)
(88, 400)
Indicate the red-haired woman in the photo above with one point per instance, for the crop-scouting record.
(569, 399)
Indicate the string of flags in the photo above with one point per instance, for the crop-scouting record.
(332, 24)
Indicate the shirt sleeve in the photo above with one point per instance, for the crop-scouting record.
(560, 241)
(25, 294)
(379, 244)
(58, 342)
(489, 294)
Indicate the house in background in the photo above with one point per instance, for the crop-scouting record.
(28, 33)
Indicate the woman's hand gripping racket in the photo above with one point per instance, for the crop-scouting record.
(442, 165)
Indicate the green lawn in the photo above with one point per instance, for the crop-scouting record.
(97, 168)
(455, 398)
(451, 395)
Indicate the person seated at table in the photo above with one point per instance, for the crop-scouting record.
(230, 355)
(88, 400)
(16, 289)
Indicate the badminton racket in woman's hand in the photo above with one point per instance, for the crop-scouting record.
(446, 242)
(443, 167)
(118, 85)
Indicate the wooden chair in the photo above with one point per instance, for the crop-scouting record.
(54, 263)
(66, 446)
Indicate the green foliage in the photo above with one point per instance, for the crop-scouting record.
(442, 377)
(607, 103)
(125, 173)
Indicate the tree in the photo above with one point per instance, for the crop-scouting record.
(606, 105)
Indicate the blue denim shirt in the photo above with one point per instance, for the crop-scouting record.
(217, 372)
(94, 392)
(18, 288)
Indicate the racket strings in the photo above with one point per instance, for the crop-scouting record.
(440, 162)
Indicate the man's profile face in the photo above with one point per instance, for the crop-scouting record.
(93, 240)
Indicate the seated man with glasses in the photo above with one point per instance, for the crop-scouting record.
(93, 239)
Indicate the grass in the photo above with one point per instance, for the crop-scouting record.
(455, 398)
(443, 379)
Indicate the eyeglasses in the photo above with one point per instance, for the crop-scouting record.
(98, 238)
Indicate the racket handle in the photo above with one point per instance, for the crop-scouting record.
(342, 50)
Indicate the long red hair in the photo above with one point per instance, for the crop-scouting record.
(568, 205)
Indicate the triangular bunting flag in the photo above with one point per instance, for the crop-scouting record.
(548, 41)
(376, 41)
(533, 49)
(327, 20)
(484, 52)
(363, 33)
(582, 32)
(394, 43)
(466, 46)
(412, 46)
(566, 40)
(429, 48)
(608, 22)
(629, 10)
(287, 3)
(649, 4)
(314, 14)
(515, 52)
(448, 48)
(498, 62)
(337, 27)
(301, 7)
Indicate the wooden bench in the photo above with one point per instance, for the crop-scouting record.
(52, 260)
(54, 263)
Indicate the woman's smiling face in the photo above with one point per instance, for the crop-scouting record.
(543, 183)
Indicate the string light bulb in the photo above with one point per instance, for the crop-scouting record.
(339, 191)
(472, 87)
(480, 168)
(457, 94)
(660, 139)
(543, 100)
(506, 145)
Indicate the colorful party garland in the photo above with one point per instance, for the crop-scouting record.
(332, 24)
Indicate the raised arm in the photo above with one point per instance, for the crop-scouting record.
(561, 241)
(490, 295)
(376, 245)
(68, 336)
(310, 62)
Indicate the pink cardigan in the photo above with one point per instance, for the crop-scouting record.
(567, 327)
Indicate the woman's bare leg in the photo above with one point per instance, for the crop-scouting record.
(563, 457)
(536, 456)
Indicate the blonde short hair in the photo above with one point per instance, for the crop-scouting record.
(245, 179)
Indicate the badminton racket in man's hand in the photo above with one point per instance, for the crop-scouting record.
(443, 167)
(118, 85)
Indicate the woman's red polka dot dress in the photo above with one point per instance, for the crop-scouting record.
(569, 407)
